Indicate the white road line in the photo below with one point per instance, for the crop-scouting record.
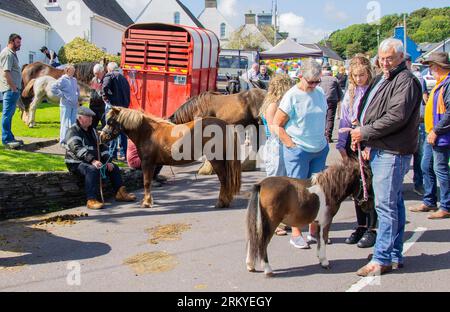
(365, 281)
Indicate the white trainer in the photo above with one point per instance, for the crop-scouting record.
(299, 242)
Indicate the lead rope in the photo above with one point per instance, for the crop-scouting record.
(363, 176)
(361, 166)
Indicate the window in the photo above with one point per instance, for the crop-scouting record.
(176, 18)
(52, 4)
(223, 30)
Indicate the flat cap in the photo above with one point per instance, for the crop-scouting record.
(85, 111)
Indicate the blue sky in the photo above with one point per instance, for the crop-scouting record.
(308, 20)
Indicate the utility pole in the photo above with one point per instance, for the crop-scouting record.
(275, 16)
(405, 34)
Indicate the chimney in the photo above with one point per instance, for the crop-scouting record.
(250, 18)
(211, 4)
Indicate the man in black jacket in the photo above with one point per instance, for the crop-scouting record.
(389, 125)
(86, 157)
(116, 92)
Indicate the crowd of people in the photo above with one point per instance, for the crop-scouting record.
(386, 112)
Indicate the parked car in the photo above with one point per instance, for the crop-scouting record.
(233, 62)
(429, 79)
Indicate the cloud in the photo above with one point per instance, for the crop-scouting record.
(295, 26)
(334, 13)
(228, 8)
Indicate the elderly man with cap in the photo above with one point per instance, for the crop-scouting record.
(85, 156)
(437, 146)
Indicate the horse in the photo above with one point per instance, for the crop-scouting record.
(157, 142)
(301, 202)
(30, 73)
(236, 109)
(39, 89)
(233, 84)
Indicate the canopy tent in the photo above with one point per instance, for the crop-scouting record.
(288, 48)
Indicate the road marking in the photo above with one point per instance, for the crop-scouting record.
(365, 281)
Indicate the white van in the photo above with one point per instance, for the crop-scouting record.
(234, 63)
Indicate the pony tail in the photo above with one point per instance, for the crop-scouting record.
(28, 91)
(254, 224)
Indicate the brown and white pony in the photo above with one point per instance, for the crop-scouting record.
(34, 74)
(299, 203)
(156, 139)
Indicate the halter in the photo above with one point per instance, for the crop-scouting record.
(112, 129)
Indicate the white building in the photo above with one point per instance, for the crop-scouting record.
(213, 20)
(100, 22)
(168, 11)
(21, 17)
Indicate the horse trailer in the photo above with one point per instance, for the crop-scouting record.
(168, 64)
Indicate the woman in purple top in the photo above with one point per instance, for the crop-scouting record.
(360, 77)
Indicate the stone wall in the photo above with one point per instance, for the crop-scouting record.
(25, 194)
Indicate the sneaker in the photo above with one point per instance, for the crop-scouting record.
(311, 239)
(13, 145)
(356, 236)
(299, 242)
(419, 190)
(368, 240)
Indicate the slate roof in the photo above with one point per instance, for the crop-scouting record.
(109, 9)
(24, 8)
(189, 13)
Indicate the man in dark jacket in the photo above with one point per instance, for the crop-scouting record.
(85, 157)
(334, 94)
(116, 92)
(389, 126)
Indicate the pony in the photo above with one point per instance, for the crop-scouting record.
(156, 140)
(236, 109)
(41, 88)
(31, 74)
(299, 203)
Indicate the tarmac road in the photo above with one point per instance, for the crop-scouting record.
(210, 254)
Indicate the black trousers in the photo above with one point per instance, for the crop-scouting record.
(331, 117)
(92, 179)
(368, 220)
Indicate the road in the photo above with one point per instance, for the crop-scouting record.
(98, 252)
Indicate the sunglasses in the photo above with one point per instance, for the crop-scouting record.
(313, 83)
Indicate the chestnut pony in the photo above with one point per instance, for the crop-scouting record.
(299, 203)
(157, 139)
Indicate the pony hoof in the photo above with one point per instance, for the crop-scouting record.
(326, 267)
(221, 205)
(146, 205)
(269, 275)
(251, 270)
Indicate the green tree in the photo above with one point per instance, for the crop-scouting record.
(80, 50)
(433, 30)
(242, 42)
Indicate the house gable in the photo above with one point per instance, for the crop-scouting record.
(23, 8)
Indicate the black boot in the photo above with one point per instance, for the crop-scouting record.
(356, 236)
(368, 240)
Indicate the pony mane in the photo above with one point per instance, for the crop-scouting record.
(334, 180)
(133, 119)
(198, 105)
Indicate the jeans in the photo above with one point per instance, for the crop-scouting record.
(68, 115)
(435, 168)
(389, 171)
(302, 165)
(92, 179)
(273, 158)
(9, 108)
(418, 175)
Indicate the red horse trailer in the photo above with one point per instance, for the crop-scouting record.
(168, 64)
